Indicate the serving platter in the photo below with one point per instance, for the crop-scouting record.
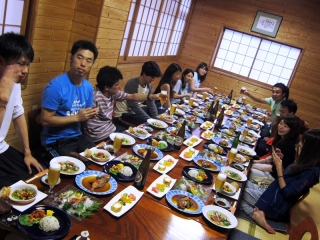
(166, 161)
(160, 180)
(120, 177)
(145, 146)
(186, 170)
(207, 211)
(62, 159)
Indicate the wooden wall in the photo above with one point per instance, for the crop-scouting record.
(300, 27)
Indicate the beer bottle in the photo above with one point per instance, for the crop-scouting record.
(208, 115)
(214, 111)
(220, 119)
(230, 97)
(236, 140)
(143, 171)
(182, 130)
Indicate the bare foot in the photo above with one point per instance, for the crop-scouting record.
(260, 219)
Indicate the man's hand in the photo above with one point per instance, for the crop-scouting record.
(154, 97)
(86, 113)
(10, 75)
(31, 161)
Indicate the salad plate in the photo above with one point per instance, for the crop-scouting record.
(68, 200)
(157, 123)
(219, 216)
(197, 174)
(234, 174)
(85, 179)
(161, 186)
(207, 163)
(130, 196)
(138, 149)
(193, 141)
(215, 148)
(207, 135)
(114, 169)
(127, 140)
(34, 231)
(69, 165)
(166, 164)
(162, 145)
(174, 195)
(189, 153)
(174, 131)
(96, 150)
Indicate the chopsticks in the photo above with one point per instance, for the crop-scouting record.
(233, 207)
(38, 175)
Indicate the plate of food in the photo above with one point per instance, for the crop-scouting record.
(123, 201)
(228, 189)
(121, 171)
(197, 174)
(206, 125)
(189, 153)
(230, 132)
(141, 150)
(68, 200)
(179, 112)
(199, 190)
(253, 126)
(140, 133)
(166, 164)
(95, 182)
(192, 142)
(215, 148)
(252, 133)
(246, 150)
(161, 186)
(98, 156)
(248, 140)
(193, 118)
(222, 142)
(69, 165)
(184, 108)
(194, 103)
(234, 174)
(184, 202)
(221, 202)
(207, 164)
(48, 222)
(207, 135)
(130, 158)
(219, 216)
(213, 156)
(236, 105)
(240, 158)
(238, 166)
(166, 118)
(157, 123)
(223, 136)
(228, 112)
(174, 131)
(126, 139)
(160, 144)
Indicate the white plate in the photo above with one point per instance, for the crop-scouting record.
(140, 136)
(236, 105)
(247, 139)
(157, 123)
(207, 125)
(188, 142)
(207, 135)
(145, 146)
(228, 112)
(249, 151)
(186, 150)
(40, 196)
(168, 169)
(210, 208)
(243, 177)
(94, 150)
(235, 196)
(193, 105)
(257, 122)
(160, 180)
(45, 177)
(253, 133)
(178, 112)
(233, 189)
(77, 162)
(130, 139)
(167, 118)
(128, 206)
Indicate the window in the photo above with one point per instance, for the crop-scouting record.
(13, 14)
(256, 58)
(155, 27)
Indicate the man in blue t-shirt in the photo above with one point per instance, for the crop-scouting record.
(67, 101)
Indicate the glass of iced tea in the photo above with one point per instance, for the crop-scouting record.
(163, 98)
(117, 143)
(53, 176)
(220, 180)
(173, 109)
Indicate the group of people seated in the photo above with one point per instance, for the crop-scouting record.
(75, 116)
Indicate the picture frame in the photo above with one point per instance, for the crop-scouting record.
(266, 24)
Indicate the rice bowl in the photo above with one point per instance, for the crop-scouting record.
(49, 224)
(126, 171)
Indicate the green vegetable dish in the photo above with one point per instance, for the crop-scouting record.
(219, 218)
(69, 167)
(23, 194)
(233, 175)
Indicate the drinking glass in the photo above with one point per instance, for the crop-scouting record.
(117, 142)
(215, 90)
(221, 179)
(204, 96)
(245, 132)
(191, 101)
(173, 109)
(249, 122)
(53, 176)
(232, 155)
(163, 98)
(243, 89)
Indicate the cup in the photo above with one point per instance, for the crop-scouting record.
(177, 142)
(249, 122)
(221, 179)
(232, 155)
(215, 90)
(117, 142)
(53, 176)
(191, 101)
(245, 132)
(173, 109)
(163, 98)
(243, 89)
(204, 96)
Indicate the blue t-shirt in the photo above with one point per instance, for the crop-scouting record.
(62, 96)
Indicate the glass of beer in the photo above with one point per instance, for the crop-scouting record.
(204, 96)
(191, 101)
(173, 109)
(249, 122)
(245, 132)
(215, 90)
(232, 155)
(163, 98)
(117, 142)
(221, 179)
(243, 89)
(53, 176)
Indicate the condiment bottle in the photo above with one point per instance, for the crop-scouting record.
(220, 119)
(143, 171)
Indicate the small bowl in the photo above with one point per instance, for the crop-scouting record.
(98, 159)
(231, 187)
(140, 132)
(20, 187)
(221, 202)
(238, 166)
(149, 129)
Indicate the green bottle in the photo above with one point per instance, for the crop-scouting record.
(236, 140)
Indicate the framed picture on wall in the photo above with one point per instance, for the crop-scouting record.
(266, 24)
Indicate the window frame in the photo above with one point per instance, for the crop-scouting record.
(133, 59)
(247, 79)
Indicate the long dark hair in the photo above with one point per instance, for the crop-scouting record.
(293, 123)
(185, 72)
(284, 89)
(202, 65)
(310, 151)
(167, 77)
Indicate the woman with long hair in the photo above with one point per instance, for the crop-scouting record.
(292, 182)
(198, 77)
(180, 89)
(284, 144)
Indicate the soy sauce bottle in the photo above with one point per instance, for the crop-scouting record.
(220, 119)
(229, 97)
(143, 171)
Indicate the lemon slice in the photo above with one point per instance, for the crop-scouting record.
(49, 213)
(125, 198)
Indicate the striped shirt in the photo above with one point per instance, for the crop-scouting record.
(100, 127)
